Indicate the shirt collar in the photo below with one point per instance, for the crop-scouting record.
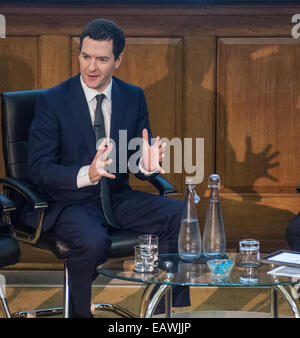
(91, 93)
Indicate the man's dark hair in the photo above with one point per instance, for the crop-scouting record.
(102, 29)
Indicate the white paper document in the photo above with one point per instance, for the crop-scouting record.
(285, 271)
(286, 257)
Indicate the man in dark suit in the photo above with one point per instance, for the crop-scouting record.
(66, 167)
(293, 233)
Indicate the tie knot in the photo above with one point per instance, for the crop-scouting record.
(100, 98)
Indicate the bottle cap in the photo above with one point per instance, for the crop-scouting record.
(214, 181)
(190, 180)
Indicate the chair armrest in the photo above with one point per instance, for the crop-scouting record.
(298, 188)
(26, 189)
(6, 204)
(162, 185)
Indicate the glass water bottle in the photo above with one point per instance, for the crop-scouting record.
(189, 241)
(214, 240)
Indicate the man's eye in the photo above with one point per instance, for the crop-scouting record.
(103, 60)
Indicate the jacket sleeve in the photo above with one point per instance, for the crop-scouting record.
(143, 122)
(44, 168)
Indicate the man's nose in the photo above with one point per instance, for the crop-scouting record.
(92, 64)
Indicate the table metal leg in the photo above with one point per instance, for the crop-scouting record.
(4, 303)
(146, 299)
(274, 304)
(168, 303)
(288, 297)
(162, 290)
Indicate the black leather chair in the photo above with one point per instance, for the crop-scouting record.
(17, 113)
(9, 249)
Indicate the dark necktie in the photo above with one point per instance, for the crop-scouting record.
(99, 126)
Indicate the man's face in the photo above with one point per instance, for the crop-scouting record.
(97, 62)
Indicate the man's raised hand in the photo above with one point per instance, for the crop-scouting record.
(100, 161)
(152, 155)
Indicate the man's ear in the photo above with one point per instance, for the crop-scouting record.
(118, 61)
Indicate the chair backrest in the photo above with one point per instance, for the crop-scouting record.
(17, 113)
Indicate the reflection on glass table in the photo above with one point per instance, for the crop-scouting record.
(174, 271)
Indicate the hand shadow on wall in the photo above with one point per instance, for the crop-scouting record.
(263, 161)
(247, 205)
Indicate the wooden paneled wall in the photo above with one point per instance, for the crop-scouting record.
(230, 75)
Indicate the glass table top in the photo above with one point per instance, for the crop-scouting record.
(193, 274)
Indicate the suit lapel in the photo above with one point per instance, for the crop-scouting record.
(80, 110)
(117, 111)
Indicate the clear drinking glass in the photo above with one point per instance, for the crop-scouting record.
(146, 254)
(249, 253)
(249, 276)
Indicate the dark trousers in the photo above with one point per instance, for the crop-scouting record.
(82, 227)
(293, 233)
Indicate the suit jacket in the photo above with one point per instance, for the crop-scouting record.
(62, 140)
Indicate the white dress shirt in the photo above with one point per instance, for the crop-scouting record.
(83, 179)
